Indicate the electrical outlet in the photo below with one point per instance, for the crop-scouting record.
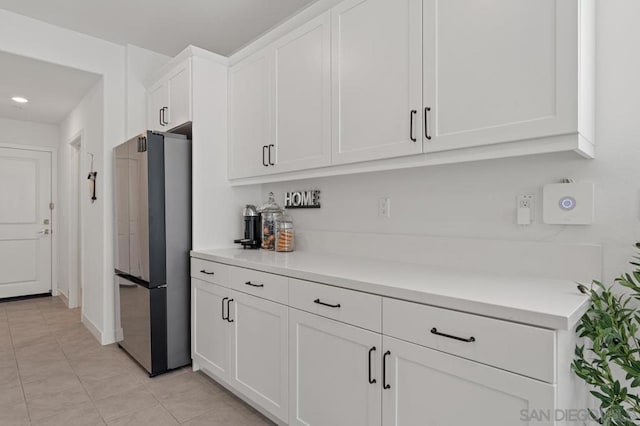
(384, 207)
(524, 209)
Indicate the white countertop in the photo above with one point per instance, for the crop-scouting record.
(553, 304)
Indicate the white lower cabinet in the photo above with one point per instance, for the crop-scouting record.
(209, 328)
(424, 387)
(312, 366)
(260, 351)
(329, 373)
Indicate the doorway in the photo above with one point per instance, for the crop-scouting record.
(75, 224)
(26, 186)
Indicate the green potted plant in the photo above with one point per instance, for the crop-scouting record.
(609, 359)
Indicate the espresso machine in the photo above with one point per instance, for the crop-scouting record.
(252, 224)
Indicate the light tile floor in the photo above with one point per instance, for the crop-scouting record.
(54, 372)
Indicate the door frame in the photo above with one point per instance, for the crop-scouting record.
(74, 205)
(54, 199)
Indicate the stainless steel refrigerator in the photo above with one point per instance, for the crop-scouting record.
(153, 221)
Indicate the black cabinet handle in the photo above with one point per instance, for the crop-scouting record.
(319, 302)
(371, 381)
(264, 162)
(426, 122)
(164, 119)
(253, 285)
(413, 113)
(385, 385)
(229, 310)
(270, 162)
(462, 339)
(223, 317)
(204, 271)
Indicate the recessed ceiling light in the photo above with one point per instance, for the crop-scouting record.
(20, 99)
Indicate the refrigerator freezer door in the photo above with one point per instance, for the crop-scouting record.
(143, 318)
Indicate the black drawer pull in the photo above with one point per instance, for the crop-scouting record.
(371, 381)
(204, 271)
(319, 302)
(223, 317)
(461, 339)
(385, 385)
(426, 123)
(229, 310)
(253, 285)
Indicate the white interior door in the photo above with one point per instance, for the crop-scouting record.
(25, 217)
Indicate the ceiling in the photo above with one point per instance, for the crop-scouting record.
(164, 26)
(52, 90)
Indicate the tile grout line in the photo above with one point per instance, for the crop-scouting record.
(15, 357)
(93, 403)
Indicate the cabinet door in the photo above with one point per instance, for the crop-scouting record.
(249, 115)
(179, 84)
(210, 332)
(260, 352)
(157, 98)
(500, 71)
(301, 84)
(377, 79)
(431, 388)
(329, 373)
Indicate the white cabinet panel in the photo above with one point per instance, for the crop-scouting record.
(329, 376)
(431, 388)
(249, 116)
(260, 350)
(179, 107)
(210, 332)
(377, 81)
(499, 71)
(302, 90)
(157, 99)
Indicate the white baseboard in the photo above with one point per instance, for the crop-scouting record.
(64, 297)
(95, 331)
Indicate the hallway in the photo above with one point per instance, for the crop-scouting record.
(54, 372)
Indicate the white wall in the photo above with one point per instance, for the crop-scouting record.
(34, 39)
(85, 121)
(18, 132)
(477, 200)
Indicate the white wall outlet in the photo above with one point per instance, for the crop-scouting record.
(524, 209)
(384, 207)
(568, 203)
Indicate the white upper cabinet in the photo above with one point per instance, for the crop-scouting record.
(377, 80)
(249, 116)
(157, 99)
(499, 71)
(301, 84)
(169, 101)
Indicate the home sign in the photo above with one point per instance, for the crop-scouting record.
(302, 199)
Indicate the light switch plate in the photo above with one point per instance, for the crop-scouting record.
(568, 204)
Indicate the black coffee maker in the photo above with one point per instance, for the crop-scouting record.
(252, 224)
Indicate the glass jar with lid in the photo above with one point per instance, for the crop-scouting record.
(269, 210)
(284, 233)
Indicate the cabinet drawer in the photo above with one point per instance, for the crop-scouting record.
(212, 272)
(352, 307)
(261, 284)
(522, 349)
